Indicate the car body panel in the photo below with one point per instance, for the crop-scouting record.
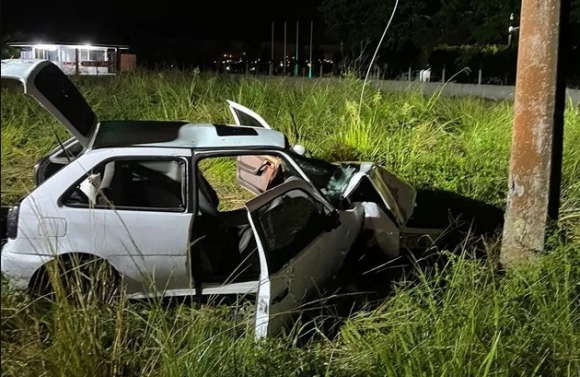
(397, 195)
(182, 134)
(129, 240)
(282, 292)
(386, 233)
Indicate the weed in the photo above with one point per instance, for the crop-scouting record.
(462, 319)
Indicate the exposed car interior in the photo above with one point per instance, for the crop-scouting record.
(58, 158)
(224, 248)
(223, 244)
(147, 184)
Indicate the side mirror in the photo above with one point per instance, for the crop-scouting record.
(299, 149)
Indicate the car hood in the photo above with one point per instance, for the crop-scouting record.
(49, 86)
(397, 195)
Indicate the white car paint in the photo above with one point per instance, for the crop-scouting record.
(282, 292)
(150, 248)
(129, 240)
(386, 233)
(397, 195)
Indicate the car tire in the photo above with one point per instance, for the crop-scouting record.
(80, 280)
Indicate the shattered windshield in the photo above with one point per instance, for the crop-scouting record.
(339, 181)
(329, 178)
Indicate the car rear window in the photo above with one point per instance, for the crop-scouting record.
(62, 93)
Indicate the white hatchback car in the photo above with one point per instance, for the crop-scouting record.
(132, 195)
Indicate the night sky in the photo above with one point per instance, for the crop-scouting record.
(142, 24)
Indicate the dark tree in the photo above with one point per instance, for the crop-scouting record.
(424, 24)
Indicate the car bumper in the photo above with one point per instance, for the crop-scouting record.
(18, 269)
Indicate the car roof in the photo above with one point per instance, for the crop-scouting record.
(181, 134)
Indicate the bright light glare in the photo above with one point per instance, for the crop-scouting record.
(53, 47)
(45, 47)
(88, 46)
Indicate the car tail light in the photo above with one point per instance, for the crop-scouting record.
(12, 222)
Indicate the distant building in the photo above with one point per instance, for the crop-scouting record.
(80, 59)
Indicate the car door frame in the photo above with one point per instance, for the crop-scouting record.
(199, 154)
(233, 106)
(265, 296)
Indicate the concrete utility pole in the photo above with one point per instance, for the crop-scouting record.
(537, 141)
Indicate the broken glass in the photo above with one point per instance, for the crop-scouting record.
(318, 171)
(329, 178)
(339, 180)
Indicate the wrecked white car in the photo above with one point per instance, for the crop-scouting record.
(140, 197)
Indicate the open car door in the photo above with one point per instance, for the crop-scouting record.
(301, 242)
(255, 173)
(52, 89)
(246, 117)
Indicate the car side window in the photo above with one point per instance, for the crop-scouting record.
(289, 224)
(226, 182)
(132, 184)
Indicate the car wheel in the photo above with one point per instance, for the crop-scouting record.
(80, 280)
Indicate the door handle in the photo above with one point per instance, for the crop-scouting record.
(262, 168)
(280, 297)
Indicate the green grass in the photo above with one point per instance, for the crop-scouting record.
(462, 319)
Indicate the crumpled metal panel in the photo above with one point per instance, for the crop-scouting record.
(398, 196)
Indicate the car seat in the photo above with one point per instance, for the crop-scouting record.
(111, 189)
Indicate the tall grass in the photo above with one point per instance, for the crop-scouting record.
(462, 319)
